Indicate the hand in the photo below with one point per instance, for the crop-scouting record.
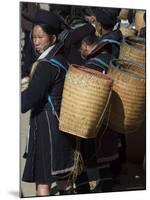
(24, 83)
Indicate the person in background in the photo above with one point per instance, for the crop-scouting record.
(109, 24)
(85, 12)
(71, 53)
(98, 52)
(89, 14)
(79, 28)
(131, 16)
(50, 152)
(109, 29)
(63, 11)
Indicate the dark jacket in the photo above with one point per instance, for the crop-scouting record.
(107, 49)
(50, 151)
(104, 148)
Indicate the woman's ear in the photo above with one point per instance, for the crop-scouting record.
(54, 39)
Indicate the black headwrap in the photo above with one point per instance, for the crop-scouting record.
(61, 9)
(78, 32)
(49, 19)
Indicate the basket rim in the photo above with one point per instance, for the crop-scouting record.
(93, 72)
(127, 62)
(126, 72)
(125, 42)
(140, 39)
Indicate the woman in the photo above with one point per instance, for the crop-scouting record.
(50, 155)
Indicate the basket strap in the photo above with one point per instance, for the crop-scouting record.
(52, 106)
(58, 64)
(98, 62)
(111, 41)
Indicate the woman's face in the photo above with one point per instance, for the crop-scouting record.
(41, 39)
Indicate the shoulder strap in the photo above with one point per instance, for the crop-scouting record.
(110, 41)
(103, 43)
(55, 62)
(98, 62)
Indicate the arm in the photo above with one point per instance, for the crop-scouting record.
(43, 77)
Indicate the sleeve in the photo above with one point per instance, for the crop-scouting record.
(42, 79)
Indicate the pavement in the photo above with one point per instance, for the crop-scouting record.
(132, 176)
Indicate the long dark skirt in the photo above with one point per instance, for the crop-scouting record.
(51, 152)
(101, 150)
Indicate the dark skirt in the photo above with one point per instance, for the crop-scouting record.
(101, 150)
(51, 152)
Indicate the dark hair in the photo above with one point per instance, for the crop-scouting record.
(47, 29)
(89, 39)
(79, 29)
(81, 11)
(63, 10)
(44, 17)
(107, 17)
(88, 11)
(107, 26)
(76, 12)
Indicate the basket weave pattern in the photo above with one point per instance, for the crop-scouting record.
(128, 102)
(85, 96)
(139, 19)
(131, 52)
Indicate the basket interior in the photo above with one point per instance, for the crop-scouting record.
(128, 68)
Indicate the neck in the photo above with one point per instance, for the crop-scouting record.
(104, 31)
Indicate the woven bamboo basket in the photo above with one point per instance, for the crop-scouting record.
(133, 49)
(139, 19)
(123, 13)
(126, 31)
(129, 66)
(86, 96)
(136, 41)
(128, 100)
